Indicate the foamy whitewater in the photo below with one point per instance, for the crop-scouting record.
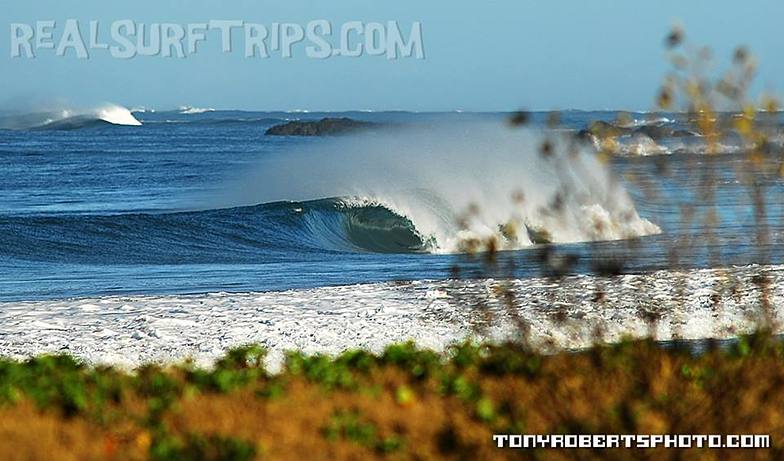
(127, 237)
(188, 110)
(132, 330)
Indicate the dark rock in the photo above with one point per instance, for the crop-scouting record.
(655, 131)
(324, 127)
(683, 134)
(602, 129)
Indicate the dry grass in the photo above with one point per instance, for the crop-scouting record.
(403, 404)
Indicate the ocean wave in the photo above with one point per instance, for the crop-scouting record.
(243, 234)
(188, 110)
(406, 191)
(217, 120)
(434, 176)
(641, 145)
(647, 121)
(232, 235)
(347, 224)
(70, 119)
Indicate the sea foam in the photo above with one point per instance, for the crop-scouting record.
(131, 330)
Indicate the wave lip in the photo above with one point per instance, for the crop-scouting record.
(117, 115)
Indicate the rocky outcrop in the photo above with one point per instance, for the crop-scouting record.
(324, 127)
(602, 130)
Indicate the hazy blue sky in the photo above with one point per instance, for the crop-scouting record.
(480, 55)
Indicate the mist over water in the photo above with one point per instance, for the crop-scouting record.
(434, 175)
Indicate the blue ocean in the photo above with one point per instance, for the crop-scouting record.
(202, 201)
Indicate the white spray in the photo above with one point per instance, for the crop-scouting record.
(433, 175)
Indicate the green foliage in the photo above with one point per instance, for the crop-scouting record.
(358, 360)
(404, 395)
(238, 368)
(59, 381)
(419, 363)
(196, 447)
(243, 358)
(465, 354)
(460, 386)
(349, 425)
(320, 369)
(510, 359)
(273, 389)
(485, 409)
(160, 388)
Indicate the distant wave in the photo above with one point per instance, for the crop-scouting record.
(229, 120)
(70, 119)
(648, 121)
(188, 110)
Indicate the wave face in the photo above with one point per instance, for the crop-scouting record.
(355, 225)
(70, 119)
(431, 178)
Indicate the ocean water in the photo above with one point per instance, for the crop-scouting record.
(193, 201)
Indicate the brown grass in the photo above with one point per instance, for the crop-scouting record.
(389, 411)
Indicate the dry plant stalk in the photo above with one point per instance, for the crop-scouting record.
(716, 109)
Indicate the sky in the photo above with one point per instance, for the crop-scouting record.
(478, 56)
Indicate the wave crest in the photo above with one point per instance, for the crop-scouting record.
(430, 177)
(189, 110)
(69, 119)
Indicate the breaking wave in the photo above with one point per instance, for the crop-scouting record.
(406, 190)
(234, 235)
(188, 110)
(70, 119)
(438, 187)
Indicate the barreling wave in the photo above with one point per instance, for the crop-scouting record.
(432, 176)
(235, 235)
(70, 119)
(404, 191)
(361, 225)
